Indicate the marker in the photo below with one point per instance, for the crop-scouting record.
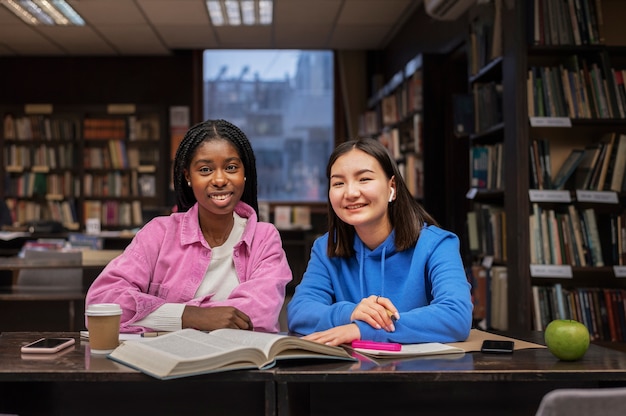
(380, 346)
(153, 334)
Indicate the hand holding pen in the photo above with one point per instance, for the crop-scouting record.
(377, 311)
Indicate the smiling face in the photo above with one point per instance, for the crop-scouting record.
(359, 193)
(217, 177)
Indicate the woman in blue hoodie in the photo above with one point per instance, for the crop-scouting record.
(385, 271)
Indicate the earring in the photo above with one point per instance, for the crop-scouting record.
(244, 178)
(188, 183)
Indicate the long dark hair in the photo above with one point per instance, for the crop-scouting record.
(206, 131)
(404, 210)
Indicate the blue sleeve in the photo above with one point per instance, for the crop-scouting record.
(313, 307)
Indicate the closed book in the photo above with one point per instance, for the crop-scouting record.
(619, 167)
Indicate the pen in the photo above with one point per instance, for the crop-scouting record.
(391, 315)
(153, 334)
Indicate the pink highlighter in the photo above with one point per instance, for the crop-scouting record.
(373, 345)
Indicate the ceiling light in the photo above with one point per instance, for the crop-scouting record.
(45, 12)
(238, 12)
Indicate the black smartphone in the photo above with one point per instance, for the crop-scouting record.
(491, 346)
(47, 345)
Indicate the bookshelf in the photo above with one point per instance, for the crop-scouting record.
(395, 118)
(536, 143)
(486, 218)
(69, 164)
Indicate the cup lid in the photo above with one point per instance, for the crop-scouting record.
(103, 309)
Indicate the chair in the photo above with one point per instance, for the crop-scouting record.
(53, 278)
(52, 283)
(588, 402)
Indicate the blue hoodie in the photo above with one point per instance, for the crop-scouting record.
(426, 283)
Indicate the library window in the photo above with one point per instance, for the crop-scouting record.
(283, 100)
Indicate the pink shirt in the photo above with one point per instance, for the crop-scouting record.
(167, 261)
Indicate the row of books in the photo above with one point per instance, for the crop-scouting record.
(53, 157)
(601, 310)
(27, 184)
(486, 231)
(114, 213)
(487, 105)
(116, 156)
(567, 22)
(599, 167)
(39, 127)
(577, 237)
(119, 184)
(23, 211)
(412, 170)
(489, 295)
(104, 128)
(485, 37)
(144, 128)
(112, 156)
(403, 100)
(63, 212)
(580, 88)
(486, 167)
(405, 139)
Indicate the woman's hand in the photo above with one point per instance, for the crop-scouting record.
(343, 334)
(377, 312)
(208, 319)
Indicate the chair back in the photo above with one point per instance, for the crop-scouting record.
(52, 278)
(588, 402)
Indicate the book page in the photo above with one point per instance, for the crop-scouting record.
(276, 346)
(192, 344)
(260, 340)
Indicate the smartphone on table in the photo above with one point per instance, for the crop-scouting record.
(47, 345)
(497, 347)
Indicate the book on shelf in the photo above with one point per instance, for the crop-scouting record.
(567, 168)
(498, 290)
(584, 170)
(619, 166)
(480, 287)
(606, 162)
(191, 352)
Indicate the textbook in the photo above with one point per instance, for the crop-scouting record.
(191, 352)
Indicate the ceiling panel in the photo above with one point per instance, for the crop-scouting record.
(157, 27)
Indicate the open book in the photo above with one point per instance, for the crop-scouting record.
(189, 352)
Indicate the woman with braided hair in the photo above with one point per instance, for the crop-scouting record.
(211, 264)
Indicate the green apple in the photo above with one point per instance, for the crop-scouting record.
(567, 339)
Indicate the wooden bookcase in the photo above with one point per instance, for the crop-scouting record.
(395, 118)
(398, 116)
(521, 52)
(68, 164)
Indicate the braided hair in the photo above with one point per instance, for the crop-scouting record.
(206, 131)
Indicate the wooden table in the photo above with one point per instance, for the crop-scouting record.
(471, 384)
(76, 382)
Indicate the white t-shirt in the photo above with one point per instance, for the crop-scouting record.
(219, 279)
